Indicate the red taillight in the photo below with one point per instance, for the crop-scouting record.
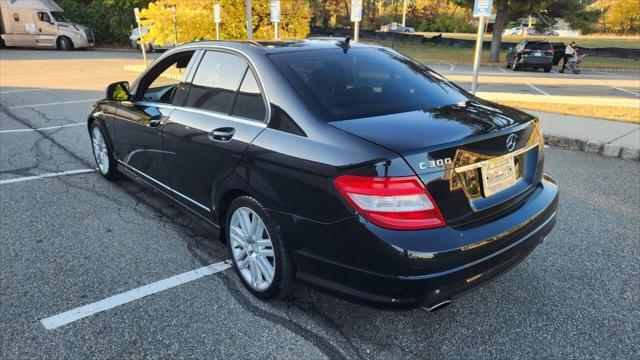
(400, 203)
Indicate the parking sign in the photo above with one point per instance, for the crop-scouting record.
(482, 8)
(356, 10)
(275, 11)
(217, 18)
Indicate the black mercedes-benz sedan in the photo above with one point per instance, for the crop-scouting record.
(347, 166)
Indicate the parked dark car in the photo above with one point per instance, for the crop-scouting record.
(348, 166)
(531, 54)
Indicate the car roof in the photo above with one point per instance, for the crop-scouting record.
(279, 46)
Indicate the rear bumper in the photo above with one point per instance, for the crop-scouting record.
(535, 61)
(360, 260)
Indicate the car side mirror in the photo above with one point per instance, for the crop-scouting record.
(118, 91)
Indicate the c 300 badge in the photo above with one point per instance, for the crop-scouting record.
(434, 163)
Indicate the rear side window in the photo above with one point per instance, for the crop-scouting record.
(249, 103)
(364, 82)
(216, 81)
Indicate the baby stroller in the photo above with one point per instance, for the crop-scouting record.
(573, 64)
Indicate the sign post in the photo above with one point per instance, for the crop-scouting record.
(143, 46)
(247, 4)
(356, 17)
(216, 19)
(175, 22)
(481, 9)
(404, 13)
(275, 16)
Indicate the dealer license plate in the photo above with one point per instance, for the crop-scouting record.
(498, 175)
(537, 53)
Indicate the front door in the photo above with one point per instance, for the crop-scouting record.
(222, 114)
(140, 122)
(47, 31)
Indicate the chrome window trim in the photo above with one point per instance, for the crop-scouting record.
(205, 47)
(129, 167)
(223, 116)
(158, 105)
(505, 156)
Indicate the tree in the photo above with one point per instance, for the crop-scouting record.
(110, 20)
(194, 20)
(620, 16)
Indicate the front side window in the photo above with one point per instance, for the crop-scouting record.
(216, 81)
(44, 17)
(364, 82)
(161, 83)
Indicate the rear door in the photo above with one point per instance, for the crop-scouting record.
(206, 136)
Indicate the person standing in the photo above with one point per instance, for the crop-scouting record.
(569, 52)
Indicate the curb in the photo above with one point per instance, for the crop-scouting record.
(593, 147)
(109, 49)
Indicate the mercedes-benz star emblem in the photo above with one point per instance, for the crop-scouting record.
(511, 142)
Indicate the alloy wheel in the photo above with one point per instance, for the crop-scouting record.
(100, 151)
(252, 248)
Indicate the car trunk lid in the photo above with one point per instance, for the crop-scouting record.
(449, 149)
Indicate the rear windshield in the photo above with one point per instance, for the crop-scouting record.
(538, 45)
(364, 82)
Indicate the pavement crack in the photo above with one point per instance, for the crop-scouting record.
(320, 342)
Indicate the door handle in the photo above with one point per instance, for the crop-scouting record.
(222, 134)
(154, 122)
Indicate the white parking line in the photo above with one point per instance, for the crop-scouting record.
(51, 104)
(610, 74)
(452, 66)
(81, 312)
(501, 69)
(43, 176)
(627, 91)
(537, 89)
(42, 128)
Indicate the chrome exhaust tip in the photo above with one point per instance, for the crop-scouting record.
(437, 306)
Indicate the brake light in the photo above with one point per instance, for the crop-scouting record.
(400, 203)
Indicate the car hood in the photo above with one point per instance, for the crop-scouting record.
(73, 25)
(436, 128)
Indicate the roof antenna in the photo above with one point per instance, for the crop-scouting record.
(344, 44)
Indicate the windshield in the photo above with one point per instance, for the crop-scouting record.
(364, 82)
(59, 16)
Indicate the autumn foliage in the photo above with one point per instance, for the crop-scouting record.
(194, 20)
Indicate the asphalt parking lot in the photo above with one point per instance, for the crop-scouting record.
(69, 238)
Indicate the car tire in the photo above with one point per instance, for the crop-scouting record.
(547, 69)
(103, 152)
(64, 43)
(258, 252)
